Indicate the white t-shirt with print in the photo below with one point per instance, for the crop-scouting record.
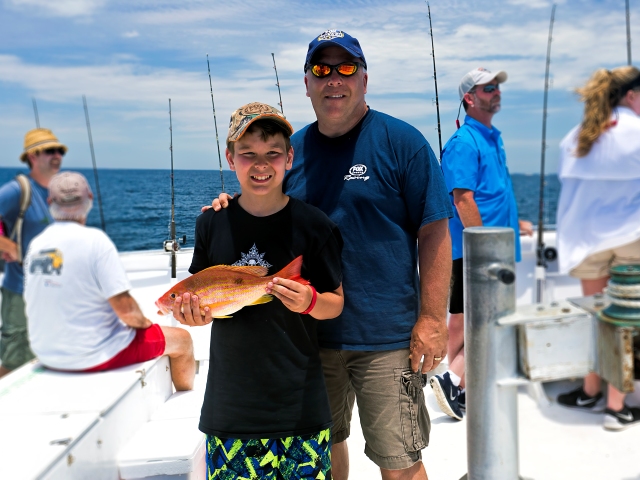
(70, 273)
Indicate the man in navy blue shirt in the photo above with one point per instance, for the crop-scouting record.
(475, 169)
(377, 178)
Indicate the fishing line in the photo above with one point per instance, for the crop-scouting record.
(215, 122)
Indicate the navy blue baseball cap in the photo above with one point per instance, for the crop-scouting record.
(335, 38)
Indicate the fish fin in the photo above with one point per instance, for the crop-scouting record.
(223, 316)
(262, 299)
(292, 271)
(256, 270)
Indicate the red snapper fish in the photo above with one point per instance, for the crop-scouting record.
(226, 289)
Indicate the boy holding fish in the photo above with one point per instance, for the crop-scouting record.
(266, 412)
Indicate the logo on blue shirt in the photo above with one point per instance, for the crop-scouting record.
(357, 173)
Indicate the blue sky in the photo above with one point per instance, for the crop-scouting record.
(129, 57)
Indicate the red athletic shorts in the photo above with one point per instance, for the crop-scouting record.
(147, 344)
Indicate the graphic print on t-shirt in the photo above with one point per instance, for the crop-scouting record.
(251, 259)
(357, 173)
(47, 262)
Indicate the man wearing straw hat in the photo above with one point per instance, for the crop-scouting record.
(43, 154)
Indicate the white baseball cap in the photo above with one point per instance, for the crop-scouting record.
(479, 76)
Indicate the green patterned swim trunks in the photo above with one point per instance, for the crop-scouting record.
(306, 457)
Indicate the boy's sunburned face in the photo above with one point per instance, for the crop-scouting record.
(260, 165)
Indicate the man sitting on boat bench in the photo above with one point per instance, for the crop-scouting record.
(81, 315)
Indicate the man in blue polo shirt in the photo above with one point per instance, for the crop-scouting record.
(475, 170)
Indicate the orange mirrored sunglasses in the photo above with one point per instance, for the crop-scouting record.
(346, 69)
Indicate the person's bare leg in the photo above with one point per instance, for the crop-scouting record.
(179, 349)
(340, 461)
(456, 336)
(615, 399)
(591, 383)
(457, 367)
(414, 472)
(4, 371)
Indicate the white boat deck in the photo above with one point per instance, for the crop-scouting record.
(40, 420)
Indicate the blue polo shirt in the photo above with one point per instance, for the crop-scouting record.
(474, 159)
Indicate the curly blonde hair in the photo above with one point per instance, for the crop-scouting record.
(601, 95)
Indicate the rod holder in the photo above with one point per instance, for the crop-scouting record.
(491, 354)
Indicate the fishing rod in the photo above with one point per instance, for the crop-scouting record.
(35, 111)
(172, 227)
(542, 259)
(277, 83)
(215, 122)
(628, 33)
(435, 80)
(93, 159)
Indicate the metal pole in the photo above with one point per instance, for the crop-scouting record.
(490, 353)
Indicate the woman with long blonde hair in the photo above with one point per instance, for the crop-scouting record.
(598, 223)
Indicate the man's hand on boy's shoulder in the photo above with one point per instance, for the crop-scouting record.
(219, 203)
(190, 315)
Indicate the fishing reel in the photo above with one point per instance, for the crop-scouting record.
(174, 245)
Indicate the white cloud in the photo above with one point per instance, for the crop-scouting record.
(130, 81)
(62, 8)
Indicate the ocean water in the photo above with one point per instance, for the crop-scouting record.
(137, 203)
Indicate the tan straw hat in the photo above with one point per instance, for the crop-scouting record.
(39, 139)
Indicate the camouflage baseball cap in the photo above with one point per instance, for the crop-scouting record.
(247, 114)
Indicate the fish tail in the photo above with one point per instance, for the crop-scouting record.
(292, 271)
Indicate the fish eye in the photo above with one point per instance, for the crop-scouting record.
(173, 295)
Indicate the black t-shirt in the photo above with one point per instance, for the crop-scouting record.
(265, 377)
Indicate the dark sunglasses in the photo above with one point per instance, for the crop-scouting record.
(346, 69)
(488, 89)
(53, 151)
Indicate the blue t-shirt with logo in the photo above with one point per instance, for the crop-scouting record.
(474, 159)
(36, 218)
(379, 183)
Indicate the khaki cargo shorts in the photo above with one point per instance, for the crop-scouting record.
(597, 265)
(14, 342)
(391, 403)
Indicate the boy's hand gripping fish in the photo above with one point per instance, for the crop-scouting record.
(226, 289)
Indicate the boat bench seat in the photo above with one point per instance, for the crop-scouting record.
(170, 445)
(75, 421)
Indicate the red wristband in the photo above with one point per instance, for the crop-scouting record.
(313, 301)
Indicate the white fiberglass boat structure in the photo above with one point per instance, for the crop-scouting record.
(129, 424)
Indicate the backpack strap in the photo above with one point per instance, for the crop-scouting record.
(25, 201)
